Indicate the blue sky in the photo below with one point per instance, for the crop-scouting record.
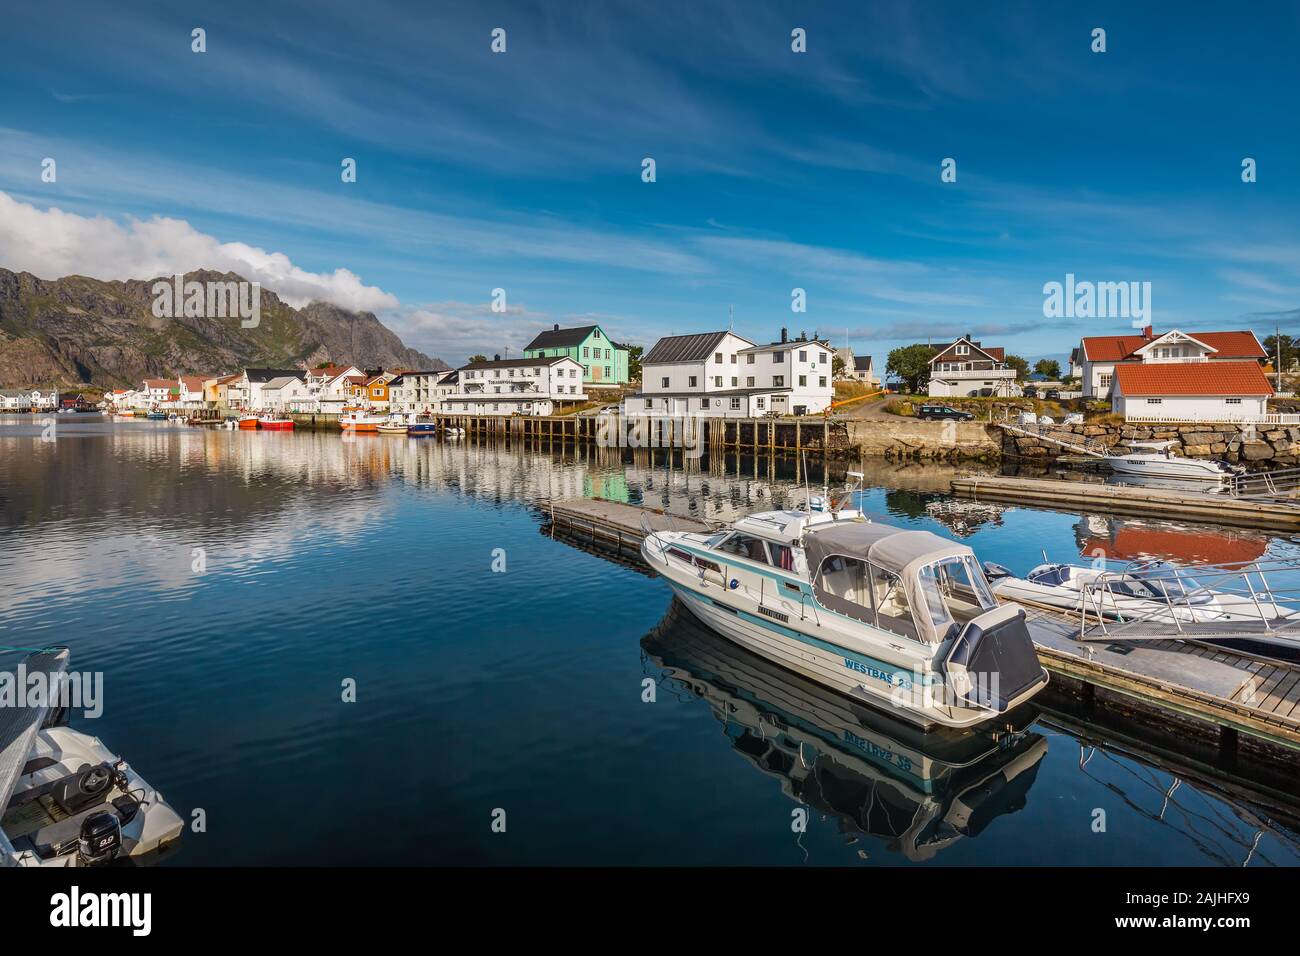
(775, 170)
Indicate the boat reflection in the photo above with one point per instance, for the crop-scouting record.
(1126, 539)
(917, 792)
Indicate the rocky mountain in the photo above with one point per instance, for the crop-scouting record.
(78, 330)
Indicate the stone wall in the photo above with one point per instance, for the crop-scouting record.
(910, 439)
(1264, 446)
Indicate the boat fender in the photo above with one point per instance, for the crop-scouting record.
(733, 584)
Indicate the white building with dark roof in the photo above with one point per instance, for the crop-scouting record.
(527, 386)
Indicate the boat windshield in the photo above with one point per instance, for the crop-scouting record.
(1167, 583)
(955, 592)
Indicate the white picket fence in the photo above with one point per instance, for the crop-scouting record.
(1274, 419)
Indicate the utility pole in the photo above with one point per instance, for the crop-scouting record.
(1277, 347)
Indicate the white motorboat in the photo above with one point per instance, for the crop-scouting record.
(1235, 603)
(1155, 459)
(903, 620)
(357, 420)
(66, 799)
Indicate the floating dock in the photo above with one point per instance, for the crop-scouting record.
(1235, 701)
(1127, 499)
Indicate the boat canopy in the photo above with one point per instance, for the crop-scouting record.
(896, 551)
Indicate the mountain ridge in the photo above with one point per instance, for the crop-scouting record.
(77, 330)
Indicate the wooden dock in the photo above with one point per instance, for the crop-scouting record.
(1126, 499)
(1199, 689)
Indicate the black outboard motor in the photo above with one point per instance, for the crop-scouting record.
(100, 840)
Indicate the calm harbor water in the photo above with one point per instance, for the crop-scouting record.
(321, 559)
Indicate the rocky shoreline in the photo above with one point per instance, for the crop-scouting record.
(1260, 445)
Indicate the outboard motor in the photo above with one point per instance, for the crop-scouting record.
(100, 840)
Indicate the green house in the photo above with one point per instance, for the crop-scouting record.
(603, 361)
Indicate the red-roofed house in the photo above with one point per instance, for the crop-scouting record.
(1190, 391)
(1101, 355)
(967, 368)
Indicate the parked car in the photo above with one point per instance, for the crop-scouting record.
(1030, 391)
(932, 413)
(1053, 394)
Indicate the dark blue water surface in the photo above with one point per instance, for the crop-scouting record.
(321, 559)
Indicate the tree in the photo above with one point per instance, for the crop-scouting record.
(837, 367)
(1048, 368)
(910, 364)
(634, 362)
(477, 358)
(1290, 350)
(1020, 365)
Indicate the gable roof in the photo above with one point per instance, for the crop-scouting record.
(282, 381)
(558, 338)
(997, 355)
(1238, 344)
(266, 374)
(518, 363)
(687, 348)
(862, 363)
(1192, 378)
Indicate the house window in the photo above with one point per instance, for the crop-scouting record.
(717, 381)
(690, 382)
(586, 352)
(606, 355)
(1154, 401)
(822, 381)
(749, 359)
(733, 358)
(778, 357)
(586, 370)
(1232, 401)
(803, 380)
(607, 372)
(759, 401)
(778, 381)
(704, 403)
(1104, 380)
(734, 381)
(749, 382)
(663, 382)
(803, 355)
(595, 334)
(717, 357)
(963, 350)
(735, 404)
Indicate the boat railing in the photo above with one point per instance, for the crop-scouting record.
(1258, 598)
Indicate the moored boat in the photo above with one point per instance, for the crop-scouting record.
(1156, 460)
(65, 799)
(903, 620)
(248, 422)
(422, 428)
(275, 423)
(360, 421)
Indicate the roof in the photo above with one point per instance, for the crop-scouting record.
(159, 383)
(517, 363)
(686, 348)
(194, 383)
(997, 354)
(227, 379)
(862, 363)
(266, 374)
(788, 344)
(1226, 345)
(561, 338)
(715, 393)
(1192, 378)
(282, 381)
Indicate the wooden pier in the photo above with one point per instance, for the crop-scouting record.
(1234, 700)
(1127, 499)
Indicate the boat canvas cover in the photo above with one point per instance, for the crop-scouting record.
(18, 728)
(891, 549)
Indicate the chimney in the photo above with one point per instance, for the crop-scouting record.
(783, 336)
(1146, 333)
(555, 327)
(497, 357)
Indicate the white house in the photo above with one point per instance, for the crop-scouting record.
(967, 368)
(421, 392)
(705, 374)
(287, 393)
(530, 386)
(191, 391)
(1100, 355)
(798, 371)
(253, 381)
(1190, 391)
(329, 385)
(159, 391)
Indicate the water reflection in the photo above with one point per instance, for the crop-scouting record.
(918, 793)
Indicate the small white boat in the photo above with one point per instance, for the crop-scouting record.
(452, 431)
(1158, 593)
(66, 799)
(1156, 460)
(903, 620)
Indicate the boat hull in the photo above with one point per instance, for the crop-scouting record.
(1189, 469)
(276, 426)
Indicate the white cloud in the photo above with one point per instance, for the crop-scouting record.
(52, 243)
